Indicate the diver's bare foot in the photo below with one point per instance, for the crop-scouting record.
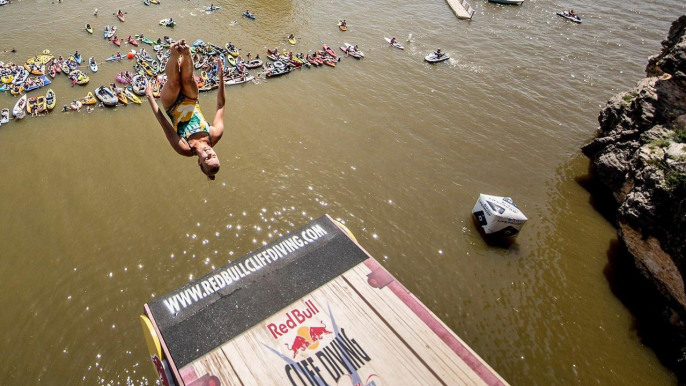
(184, 48)
(174, 51)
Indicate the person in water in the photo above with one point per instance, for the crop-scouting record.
(189, 134)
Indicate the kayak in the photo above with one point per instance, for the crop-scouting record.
(330, 62)
(212, 8)
(253, 64)
(396, 44)
(167, 22)
(121, 17)
(110, 31)
(232, 50)
(145, 56)
(131, 96)
(77, 57)
(341, 26)
(50, 99)
(146, 40)
(249, 15)
(155, 2)
(238, 80)
(566, 15)
(114, 57)
(356, 54)
(89, 29)
(89, 99)
(117, 42)
(4, 116)
(19, 108)
(312, 61)
(292, 41)
(145, 66)
(52, 72)
(133, 41)
(106, 96)
(146, 2)
(329, 50)
(433, 58)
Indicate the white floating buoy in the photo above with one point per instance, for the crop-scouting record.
(498, 215)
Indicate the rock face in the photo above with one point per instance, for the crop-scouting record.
(640, 155)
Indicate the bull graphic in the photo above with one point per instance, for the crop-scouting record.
(316, 333)
(299, 344)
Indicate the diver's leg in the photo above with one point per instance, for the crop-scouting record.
(188, 86)
(171, 89)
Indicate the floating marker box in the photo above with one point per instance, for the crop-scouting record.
(498, 216)
(311, 308)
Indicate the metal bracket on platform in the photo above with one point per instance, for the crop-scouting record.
(379, 278)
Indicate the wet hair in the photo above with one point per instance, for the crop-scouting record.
(210, 172)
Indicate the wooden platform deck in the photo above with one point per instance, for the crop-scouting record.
(312, 308)
(461, 8)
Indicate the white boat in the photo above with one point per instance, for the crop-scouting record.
(106, 96)
(355, 54)
(93, 65)
(4, 2)
(508, 2)
(238, 80)
(396, 44)
(19, 110)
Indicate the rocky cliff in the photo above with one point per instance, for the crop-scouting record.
(640, 155)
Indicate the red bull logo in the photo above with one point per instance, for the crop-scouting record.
(294, 318)
(308, 338)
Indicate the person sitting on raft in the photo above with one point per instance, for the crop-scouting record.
(439, 53)
(88, 26)
(189, 134)
(343, 24)
(291, 36)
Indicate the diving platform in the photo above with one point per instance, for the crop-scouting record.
(310, 308)
(462, 9)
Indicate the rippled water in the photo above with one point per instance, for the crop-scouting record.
(99, 215)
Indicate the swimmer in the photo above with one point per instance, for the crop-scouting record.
(189, 134)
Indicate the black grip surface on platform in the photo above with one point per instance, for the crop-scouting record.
(192, 331)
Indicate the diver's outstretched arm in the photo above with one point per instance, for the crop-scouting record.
(175, 141)
(217, 129)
